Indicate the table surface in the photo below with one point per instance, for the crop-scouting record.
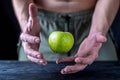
(15, 70)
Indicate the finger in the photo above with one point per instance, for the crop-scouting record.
(34, 53)
(31, 51)
(33, 10)
(29, 38)
(39, 61)
(86, 60)
(65, 59)
(73, 69)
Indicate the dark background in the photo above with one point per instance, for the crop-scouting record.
(10, 30)
(116, 30)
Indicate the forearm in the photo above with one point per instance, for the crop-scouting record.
(21, 8)
(104, 14)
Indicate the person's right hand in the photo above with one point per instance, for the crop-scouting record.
(30, 37)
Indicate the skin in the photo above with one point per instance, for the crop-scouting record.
(104, 14)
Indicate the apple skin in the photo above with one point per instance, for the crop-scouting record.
(61, 42)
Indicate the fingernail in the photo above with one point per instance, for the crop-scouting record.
(37, 40)
(40, 61)
(38, 56)
(63, 71)
(57, 62)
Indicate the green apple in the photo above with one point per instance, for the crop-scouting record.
(61, 42)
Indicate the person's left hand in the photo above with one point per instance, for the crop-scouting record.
(86, 55)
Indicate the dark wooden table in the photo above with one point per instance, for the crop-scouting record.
(14, 70)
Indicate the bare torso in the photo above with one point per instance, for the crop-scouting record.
(65, 5)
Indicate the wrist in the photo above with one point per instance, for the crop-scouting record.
(98, 36)
(102, 30)
(23, 25)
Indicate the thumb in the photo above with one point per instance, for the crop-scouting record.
(33, 10)
(100, 38)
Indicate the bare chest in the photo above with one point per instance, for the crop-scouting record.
(65, 5)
